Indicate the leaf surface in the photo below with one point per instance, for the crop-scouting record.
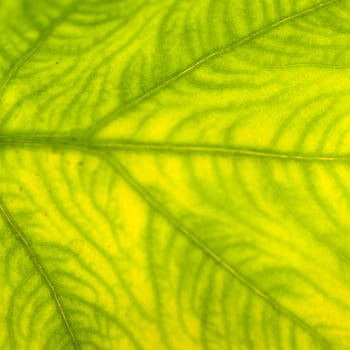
(174, 174)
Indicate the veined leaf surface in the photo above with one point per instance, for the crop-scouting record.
(174, 174)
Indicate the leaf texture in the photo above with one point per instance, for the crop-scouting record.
(174, 174)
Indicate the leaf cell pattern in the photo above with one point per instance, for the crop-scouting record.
(174, 174)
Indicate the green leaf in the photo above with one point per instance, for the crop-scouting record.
(174, 174)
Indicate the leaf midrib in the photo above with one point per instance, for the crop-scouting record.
(103, 145)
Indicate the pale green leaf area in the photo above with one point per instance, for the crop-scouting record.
(174, 174)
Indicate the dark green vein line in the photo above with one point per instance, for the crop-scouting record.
(98, 126)
(108, 315)
(44, 35)
(5, 213)
(154, 280)
(25, 141)
(173, 221)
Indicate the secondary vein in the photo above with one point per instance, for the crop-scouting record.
(43, 36)
(173, 221)
(20, 236)
(118, 112)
